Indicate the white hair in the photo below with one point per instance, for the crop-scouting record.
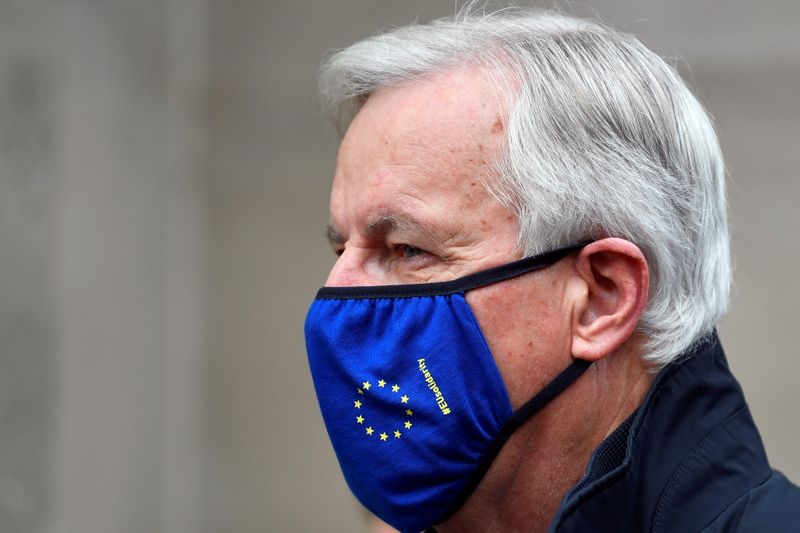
(603, 139)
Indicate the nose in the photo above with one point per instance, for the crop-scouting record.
(349, 270)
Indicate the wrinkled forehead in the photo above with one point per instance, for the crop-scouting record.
(425, 151)
(455, 105)
(440, 133)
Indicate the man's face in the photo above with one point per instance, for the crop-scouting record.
(409, 205)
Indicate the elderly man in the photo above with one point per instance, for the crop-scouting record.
(529, 214)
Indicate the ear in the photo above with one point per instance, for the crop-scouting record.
(616, 281)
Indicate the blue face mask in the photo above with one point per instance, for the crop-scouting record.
(411, 397)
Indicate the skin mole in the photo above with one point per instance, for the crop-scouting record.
(498, 126)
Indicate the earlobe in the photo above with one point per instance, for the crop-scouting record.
(615, 275)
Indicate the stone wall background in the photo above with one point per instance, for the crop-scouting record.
(27, 314)
(164, 174)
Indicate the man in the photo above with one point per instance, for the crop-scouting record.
(518, 334)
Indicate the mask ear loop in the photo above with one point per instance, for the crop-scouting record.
(463, 284)
(566, 378)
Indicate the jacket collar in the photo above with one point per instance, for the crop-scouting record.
(688, 451)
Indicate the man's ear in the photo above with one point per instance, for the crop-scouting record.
(616, 281)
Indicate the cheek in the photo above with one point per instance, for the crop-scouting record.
(525, 331)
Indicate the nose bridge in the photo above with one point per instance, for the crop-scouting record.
(348, 271)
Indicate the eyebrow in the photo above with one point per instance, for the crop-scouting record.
(389, 222)
(384, 225)
(333, 236)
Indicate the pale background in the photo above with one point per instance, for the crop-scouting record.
(163, 182)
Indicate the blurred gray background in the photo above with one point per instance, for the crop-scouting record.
(164, 174)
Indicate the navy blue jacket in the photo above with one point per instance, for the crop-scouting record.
(689, 459)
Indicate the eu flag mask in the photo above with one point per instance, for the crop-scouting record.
(411, 397)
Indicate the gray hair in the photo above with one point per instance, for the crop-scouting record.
(603, 139)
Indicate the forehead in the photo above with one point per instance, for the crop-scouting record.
(429, 145)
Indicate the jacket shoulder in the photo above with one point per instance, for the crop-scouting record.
(771, 506)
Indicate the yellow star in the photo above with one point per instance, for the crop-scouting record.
(357, 403)
(381, 383)
(360, 419)
(407, 424)
(370, 431)
(384, 436)
(404, 398)
(360, 391)
(396, 434)
(366, 385)
(409, 412)
(395, 388)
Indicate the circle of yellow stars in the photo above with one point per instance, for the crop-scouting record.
(369, 430)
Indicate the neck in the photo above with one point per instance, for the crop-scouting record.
(548, 455)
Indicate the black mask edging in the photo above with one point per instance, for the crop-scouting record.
(464, 283)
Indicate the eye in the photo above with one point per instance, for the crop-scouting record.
(410, 252)
(337, 249)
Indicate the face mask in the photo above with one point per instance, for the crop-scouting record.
(411, 397)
